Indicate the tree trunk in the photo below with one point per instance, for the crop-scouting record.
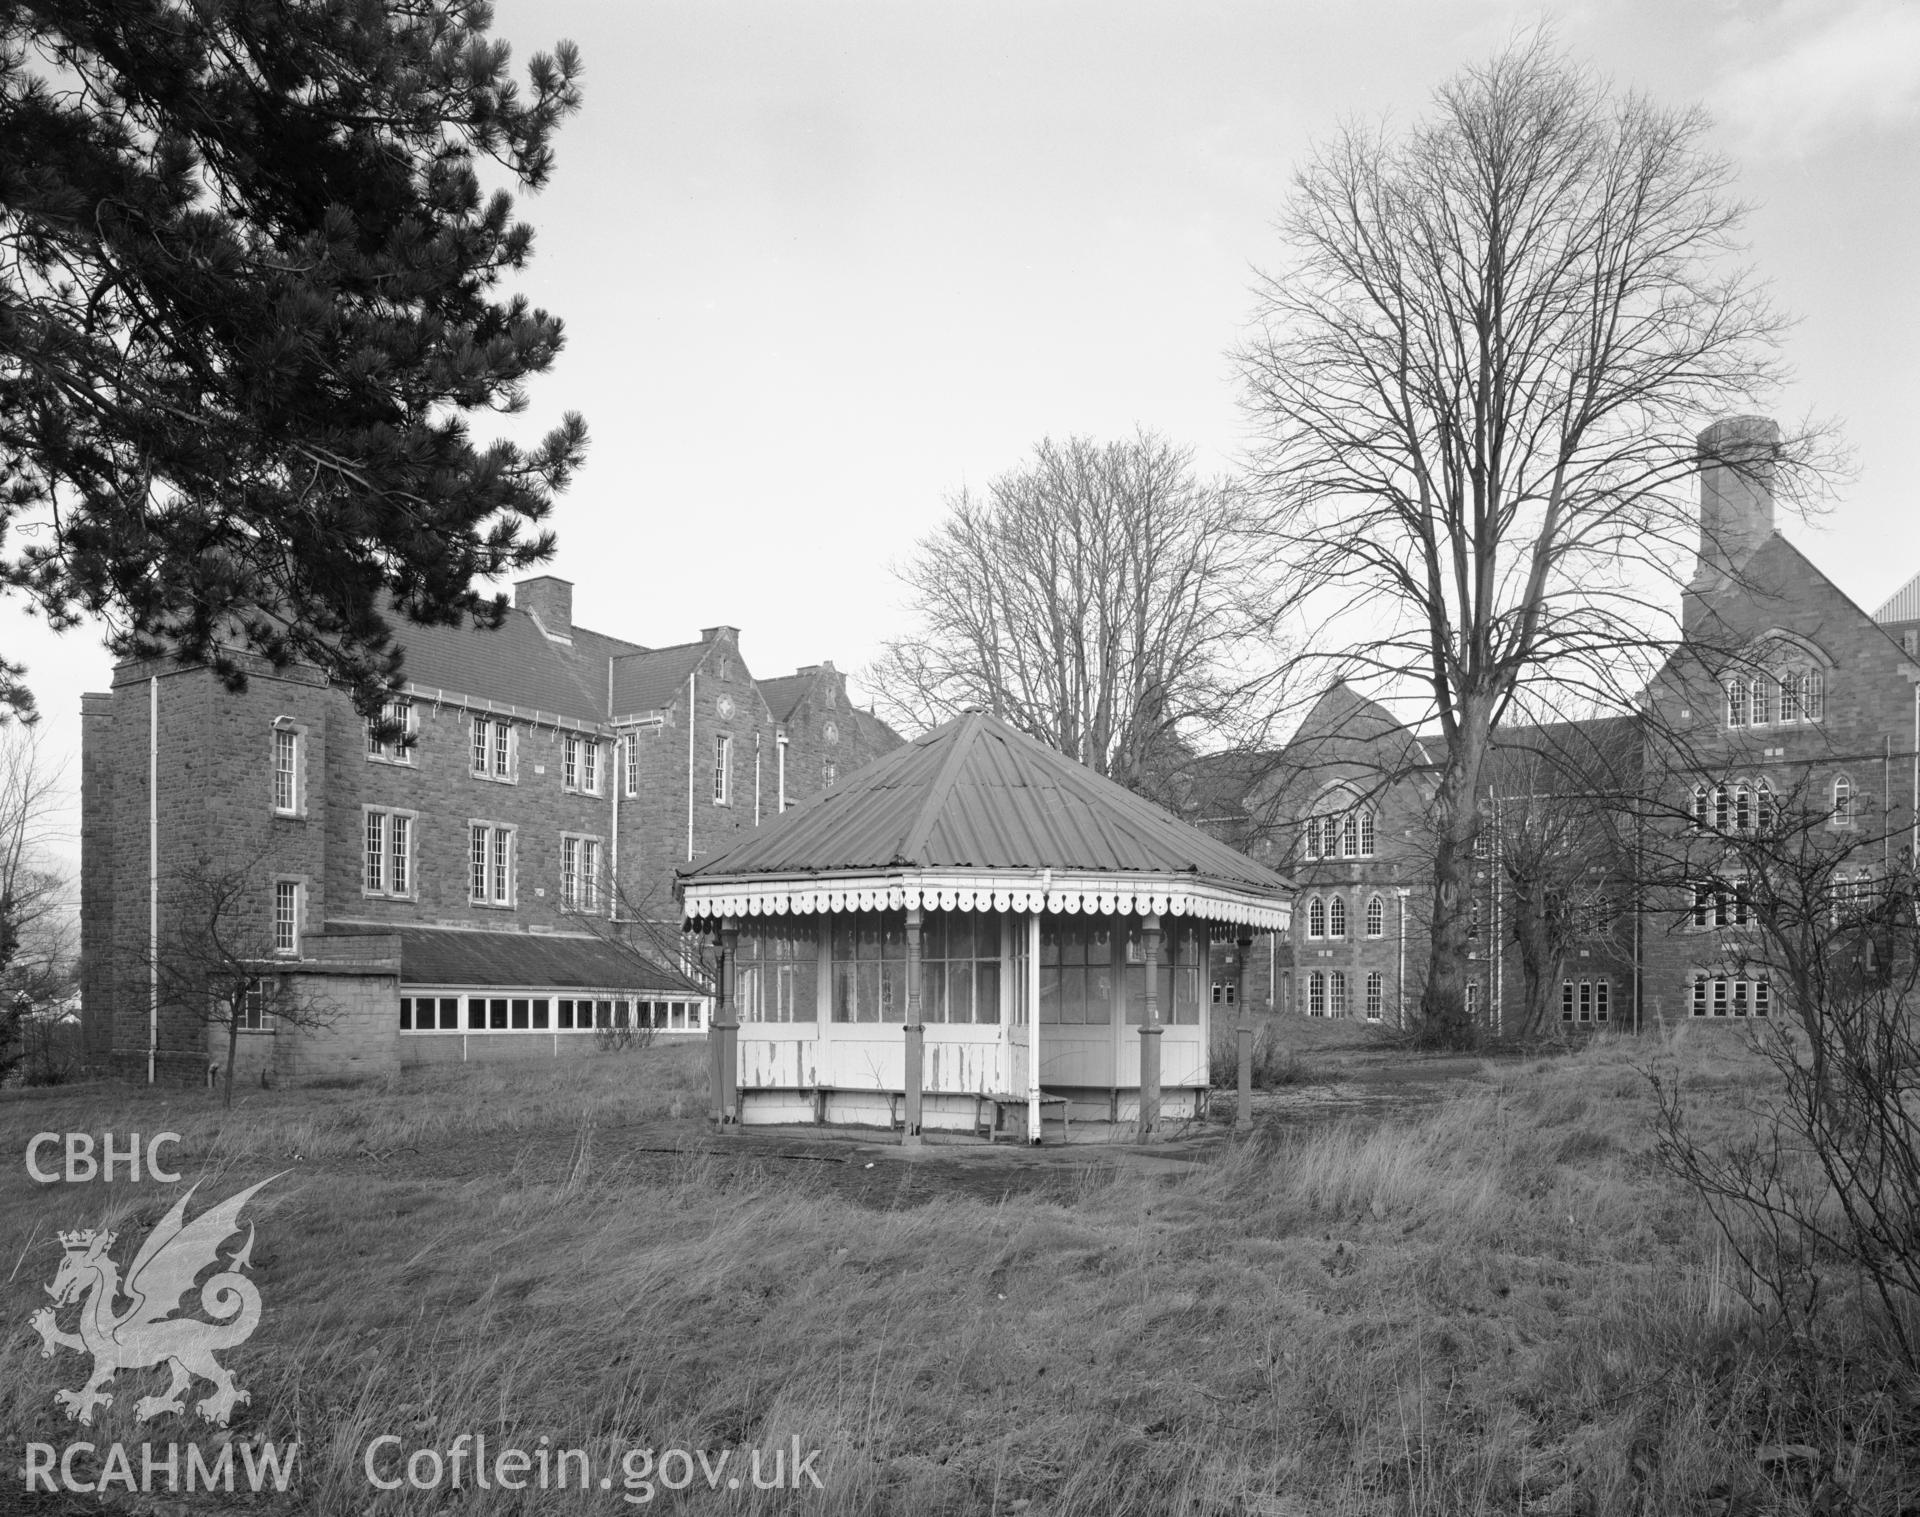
(1444, 1021)
(233, 1050)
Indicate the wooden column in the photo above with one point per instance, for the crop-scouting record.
(1033, 1027)
(915, 1035)
(1150, 1031)
(1243, 1035)
(723, 1036)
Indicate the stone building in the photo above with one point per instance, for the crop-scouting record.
(496, 885)
(1784, 696)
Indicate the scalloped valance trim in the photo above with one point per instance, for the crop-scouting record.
(1066, 894)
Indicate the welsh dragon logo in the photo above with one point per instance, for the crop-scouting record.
(148, 1333)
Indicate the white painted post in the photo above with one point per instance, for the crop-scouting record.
(1033, 1026)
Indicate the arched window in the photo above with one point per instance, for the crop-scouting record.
(1349, 835)
(1366, 832)
(1310, 837)
(1766, 812)
(1376, 917)
(1813, 696)
(1316, 918)
(1376, 995)
(1329, 837)
(1790, 695)
(1317, 994)
(1702, 807)
(1337, 994)
(1736, 702)
(1743, 807)
(1720, 811)
(1761, 687)
(1336, 918)
(1842, 814)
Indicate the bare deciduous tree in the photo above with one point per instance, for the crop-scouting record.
(1480, 378)
(218, 960)
(1819, 1197)
(37, 916)
(1102, 599)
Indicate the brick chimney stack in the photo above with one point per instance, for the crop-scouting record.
(549, 601)
(1736, 498)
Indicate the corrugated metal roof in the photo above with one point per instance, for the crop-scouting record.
(445, 956)
(1903, 605)
(654, 680)
(976, 794)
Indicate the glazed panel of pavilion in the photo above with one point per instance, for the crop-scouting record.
(909, 1001)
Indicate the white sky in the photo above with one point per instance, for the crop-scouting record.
(822, 263)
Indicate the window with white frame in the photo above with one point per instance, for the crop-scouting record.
(1473, 998)
(1702, 807)
(490, 864)
(288, 753)
(286, 917)
(579, 873)
(1842, 812)
(1317, 993)
(1851, 894)
(829, 773)
(389, 852)
(1766, 809)
(1376, 994)
(1783, 696)
(1336, 917)
(1586, 1000)
(722, 769)
(580, 764)
(1722, 995)
(1347, 831)
(494, 748)
(1337, 993)
(1725, 902)
(396, 721)
(776, 973)
(632, 745)
(1316, 917)
(256, 1007)
(1376, 917)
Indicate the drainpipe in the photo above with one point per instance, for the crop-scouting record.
(1403, 892)
(756, 779)
(153, 873)
(691, 689)
(780, 763)
(616, 774)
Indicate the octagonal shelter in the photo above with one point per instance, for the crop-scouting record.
(884, 945)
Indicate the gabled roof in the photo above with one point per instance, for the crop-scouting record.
(977, 795)
(653, 680)
(1903, 605)
(534, 961)
(784, 693)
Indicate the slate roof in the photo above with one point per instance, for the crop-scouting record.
(976, 794)
(518, 665)
(442, 956)
(784, 693)
(652, 680)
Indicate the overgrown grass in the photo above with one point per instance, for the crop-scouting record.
(1496, 1305)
